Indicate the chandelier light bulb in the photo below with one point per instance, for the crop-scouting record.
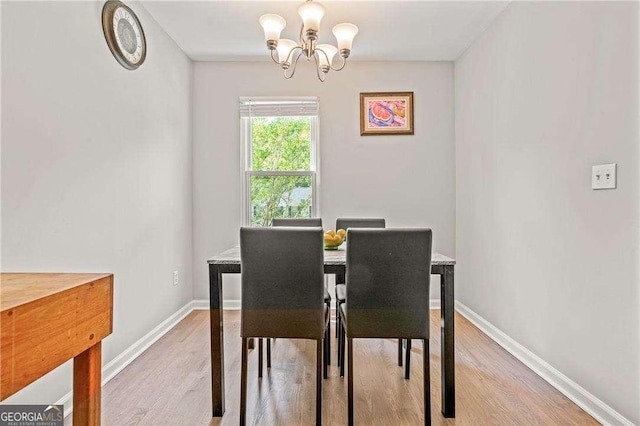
(344, 35)
(311, 14)
(326, 60)
(284, 48)
(272, 25)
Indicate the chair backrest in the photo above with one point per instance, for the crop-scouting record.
(346, 223)
(282, 282)
(314, 221)
(356, 222)
(388, 273)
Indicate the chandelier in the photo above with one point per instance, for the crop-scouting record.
(286, 53)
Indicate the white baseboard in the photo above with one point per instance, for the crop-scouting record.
(201, 304)
(110, 370)
(576, 393)
(234, 304)
(230, 305)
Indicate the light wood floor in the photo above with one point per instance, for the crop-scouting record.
(170, 383)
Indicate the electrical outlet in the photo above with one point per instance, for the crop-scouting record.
(603, 176)
(175, 278)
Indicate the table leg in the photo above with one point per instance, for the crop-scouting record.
(87, 372)
(447, 347)
(217, 341)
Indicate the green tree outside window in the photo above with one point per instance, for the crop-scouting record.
(280, 144)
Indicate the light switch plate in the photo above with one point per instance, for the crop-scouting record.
(603, 176)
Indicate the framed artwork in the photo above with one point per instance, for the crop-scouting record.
(386, 113)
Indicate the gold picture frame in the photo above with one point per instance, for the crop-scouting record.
(386, 113)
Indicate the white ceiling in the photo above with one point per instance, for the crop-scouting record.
(217, 30)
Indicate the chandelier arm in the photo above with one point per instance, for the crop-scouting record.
(344, 63)
(273, 58)
(324, 53)
(293, 67)
(321, 75)
(290, 55)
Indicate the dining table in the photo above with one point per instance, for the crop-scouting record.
(228, 262)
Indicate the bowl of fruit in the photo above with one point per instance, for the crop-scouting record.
(333, 239)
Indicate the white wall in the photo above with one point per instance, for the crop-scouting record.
(96, 165)
(548, 91)
(409, 180)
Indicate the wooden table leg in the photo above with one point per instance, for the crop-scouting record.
(217, 341)
(87, 373)
(447, 340)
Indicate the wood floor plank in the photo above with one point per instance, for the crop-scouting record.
(170, 383)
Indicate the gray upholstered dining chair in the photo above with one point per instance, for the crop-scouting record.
(297, 222)
(341, 292)
(283, 294)
(387, 273)
(313, 221)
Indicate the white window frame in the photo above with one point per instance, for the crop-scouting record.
(246, 163)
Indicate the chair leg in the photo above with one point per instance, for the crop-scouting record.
(340, 329)
(338, 320)
(319, 364)
(408, 360)
(328, 339)
(427, 382)
(325, 353)
(339, 336)
(260, 357)
(350, 379)
(342, 342)
(268, 353)
(399, 352)
(243, 382)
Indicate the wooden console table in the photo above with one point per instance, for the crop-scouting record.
(47, 319)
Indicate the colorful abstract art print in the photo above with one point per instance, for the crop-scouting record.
(386, 113)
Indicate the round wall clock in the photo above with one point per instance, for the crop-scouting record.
(124, 34)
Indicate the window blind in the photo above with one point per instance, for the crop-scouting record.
(278, 107)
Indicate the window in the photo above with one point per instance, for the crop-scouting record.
(279, 159)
